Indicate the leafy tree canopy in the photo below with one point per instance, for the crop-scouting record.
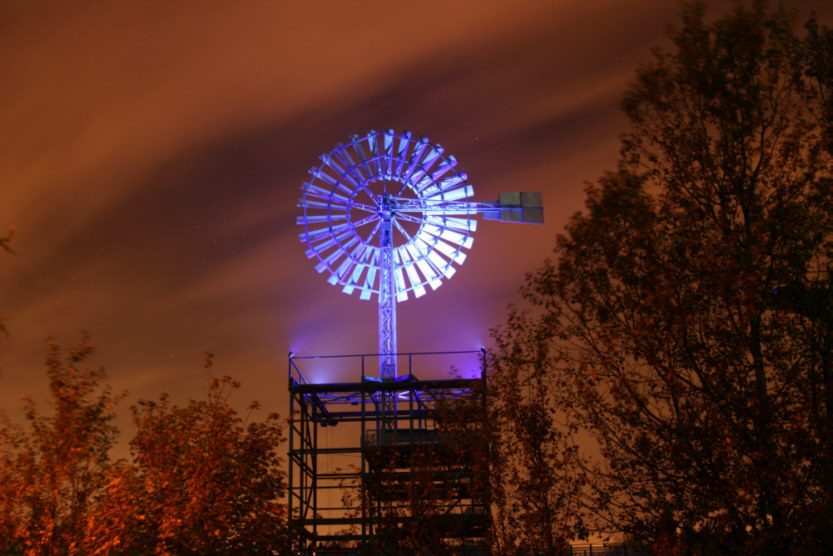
(51, 472)
(684, 327)
(203, 479)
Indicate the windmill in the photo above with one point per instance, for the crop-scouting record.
(389, 216)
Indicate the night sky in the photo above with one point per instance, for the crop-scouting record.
(152, 153)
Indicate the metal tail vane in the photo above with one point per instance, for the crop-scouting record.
(389, 215)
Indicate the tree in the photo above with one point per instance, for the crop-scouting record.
(5, 241)
(4, 245)
(50, 474)
(684, 333)
(535, 484)
(203, 480)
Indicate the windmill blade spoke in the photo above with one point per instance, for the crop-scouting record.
(324, 243)
(432, 154)
(328, 205)
(444, 167)
(347, 182)
(332, 199)
(414, 279)
(312, 190)
(369, 167)
(404, 142)
(369, 239)
(432, 256)
(370, 277)
(375, 151)
(402, 231)
(387, 147)
(453, 194)
(449, 235)
(317, 218)
(312, 235)
(363, 207)
(405, 234)
(362, 257)
(402, 189)
(366, 220)
(328, 262)
(445, 267)
(417, 285)
(321, 173)
(451, 252)
(409, 218)
(454, 211)
(346, 265)
(401, 290)
(442, 206)
(454, 253)
(351, 173)
(462, 224)
(415, 160)
(356, 141)
(429, 271)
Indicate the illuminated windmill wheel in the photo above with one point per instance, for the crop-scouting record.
(388, 215)
(381, 179)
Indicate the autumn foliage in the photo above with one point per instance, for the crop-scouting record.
(52, 473)
(202, 478)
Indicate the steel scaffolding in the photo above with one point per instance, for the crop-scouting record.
(356, 485)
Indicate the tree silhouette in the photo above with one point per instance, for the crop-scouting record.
(535, 482)
(51, 473)
(683, 332)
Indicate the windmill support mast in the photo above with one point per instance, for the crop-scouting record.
(387, 313)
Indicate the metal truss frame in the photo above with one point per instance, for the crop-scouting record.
(341, 492)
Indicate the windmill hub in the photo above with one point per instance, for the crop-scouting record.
(387, 207)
